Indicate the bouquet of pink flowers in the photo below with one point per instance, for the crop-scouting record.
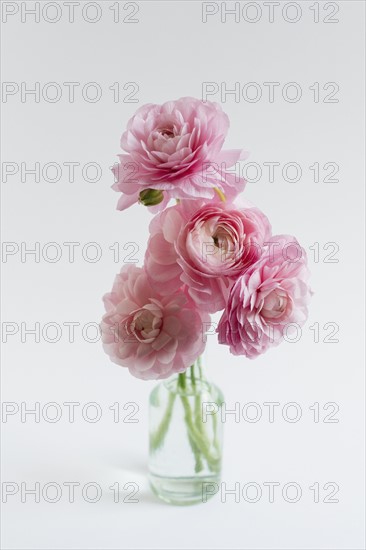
(206, 252)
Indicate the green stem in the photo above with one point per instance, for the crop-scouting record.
(199, 439)
(214, 419)
(198, 415)
(182, 384)
(157, 439)
(199, 364)
(193, 379)
(214, 429)
(197, 436)
(182, 380)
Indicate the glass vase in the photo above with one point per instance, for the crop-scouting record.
(186, 436)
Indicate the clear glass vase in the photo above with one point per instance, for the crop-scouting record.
(186, 436)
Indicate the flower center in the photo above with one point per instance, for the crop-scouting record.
(274, 305)
(222, 238)
(144, 324)
(166, 132)
(225, 244)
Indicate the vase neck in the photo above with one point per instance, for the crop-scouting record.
(190, 379)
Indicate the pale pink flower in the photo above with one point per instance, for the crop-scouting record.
(161, 264)
(153, 336)
(269, 298)
(177, 148)
(206, 247)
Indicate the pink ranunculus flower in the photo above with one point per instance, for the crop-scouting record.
(267, 299)
(161, 264)
(153, 336)
(206, 247)
(177, 148)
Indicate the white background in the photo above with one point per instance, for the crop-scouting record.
(169, 53)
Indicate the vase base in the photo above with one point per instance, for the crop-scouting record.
(183, 491)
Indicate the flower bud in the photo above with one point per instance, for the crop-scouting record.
(151, 197)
